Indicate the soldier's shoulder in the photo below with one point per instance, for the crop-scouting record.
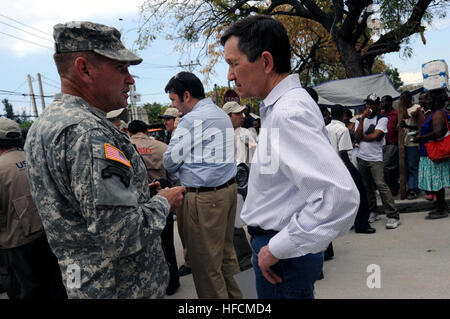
(67, 118)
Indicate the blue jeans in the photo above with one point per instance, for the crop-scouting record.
(412, 168)
(298, 274)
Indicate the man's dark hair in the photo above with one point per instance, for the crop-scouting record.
(348, 113)
(337, 112)
(137, 126)
(407, 96)
(261, 33)
(185, 81)
(388, 98)
(312, 93)
(439, 97)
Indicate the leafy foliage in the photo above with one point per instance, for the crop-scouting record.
(154, 110)
(9, 111)
(331, 38)
(395, 77)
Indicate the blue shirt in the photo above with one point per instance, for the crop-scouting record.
(202, 147)
(298, 184)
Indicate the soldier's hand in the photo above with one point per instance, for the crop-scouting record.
(174, 195)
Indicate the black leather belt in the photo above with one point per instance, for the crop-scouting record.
(255, 231)
(210, 189)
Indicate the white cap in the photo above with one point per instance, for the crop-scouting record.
(232, 107)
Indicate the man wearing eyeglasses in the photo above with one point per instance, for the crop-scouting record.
(202, 152)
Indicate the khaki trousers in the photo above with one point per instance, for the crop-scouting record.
(208, 229)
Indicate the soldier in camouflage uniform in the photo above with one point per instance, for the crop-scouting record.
(87, 179)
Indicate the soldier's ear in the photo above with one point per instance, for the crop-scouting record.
(83, 68)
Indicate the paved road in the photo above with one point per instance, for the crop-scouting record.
(413, 260)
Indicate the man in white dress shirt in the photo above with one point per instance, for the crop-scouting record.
(300, 195)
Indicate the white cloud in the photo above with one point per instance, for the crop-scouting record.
(411, 77)
(44, 14)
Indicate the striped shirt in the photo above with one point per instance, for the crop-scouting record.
(308, 195)
(201, 149)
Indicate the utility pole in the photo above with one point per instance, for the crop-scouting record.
(133, 102)
(41, 91)
(217, 96)
(32, 96)
(189, 65)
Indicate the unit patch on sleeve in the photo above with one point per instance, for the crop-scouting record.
(121, 172)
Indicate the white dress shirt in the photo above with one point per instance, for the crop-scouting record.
(305, 191)
(245, 145)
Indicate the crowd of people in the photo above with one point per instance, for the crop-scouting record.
(88, 208)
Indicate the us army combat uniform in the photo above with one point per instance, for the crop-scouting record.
(90, 186)
(28, 268)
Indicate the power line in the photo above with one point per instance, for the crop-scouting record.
(2, 15)
(46, 39)
(6, 92)
(51, 80)
(26, 40)
(52, 85)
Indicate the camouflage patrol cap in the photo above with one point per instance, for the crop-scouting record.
(9, 130)
(76, 36)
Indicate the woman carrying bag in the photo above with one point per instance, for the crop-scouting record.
(434, 174)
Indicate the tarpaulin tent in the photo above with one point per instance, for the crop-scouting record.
(352, 92)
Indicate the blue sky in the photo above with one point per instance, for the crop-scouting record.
(20, 57)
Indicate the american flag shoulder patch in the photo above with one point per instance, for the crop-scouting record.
(115, 154)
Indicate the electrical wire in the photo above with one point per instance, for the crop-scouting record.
(46, 39)
(2, 15)
(26, 40)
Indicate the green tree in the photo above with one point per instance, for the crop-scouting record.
(154, 110)
(394, 76)
(9, 111)
(346, 22)
(26, 124)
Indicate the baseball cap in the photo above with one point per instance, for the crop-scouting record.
(233, 107)
(372, 98)
(9, 130)
(76, 36)
(170, 113)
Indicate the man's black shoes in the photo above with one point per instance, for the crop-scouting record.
(183, 271)
(369, 230)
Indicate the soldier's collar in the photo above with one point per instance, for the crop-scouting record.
(80, 101)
